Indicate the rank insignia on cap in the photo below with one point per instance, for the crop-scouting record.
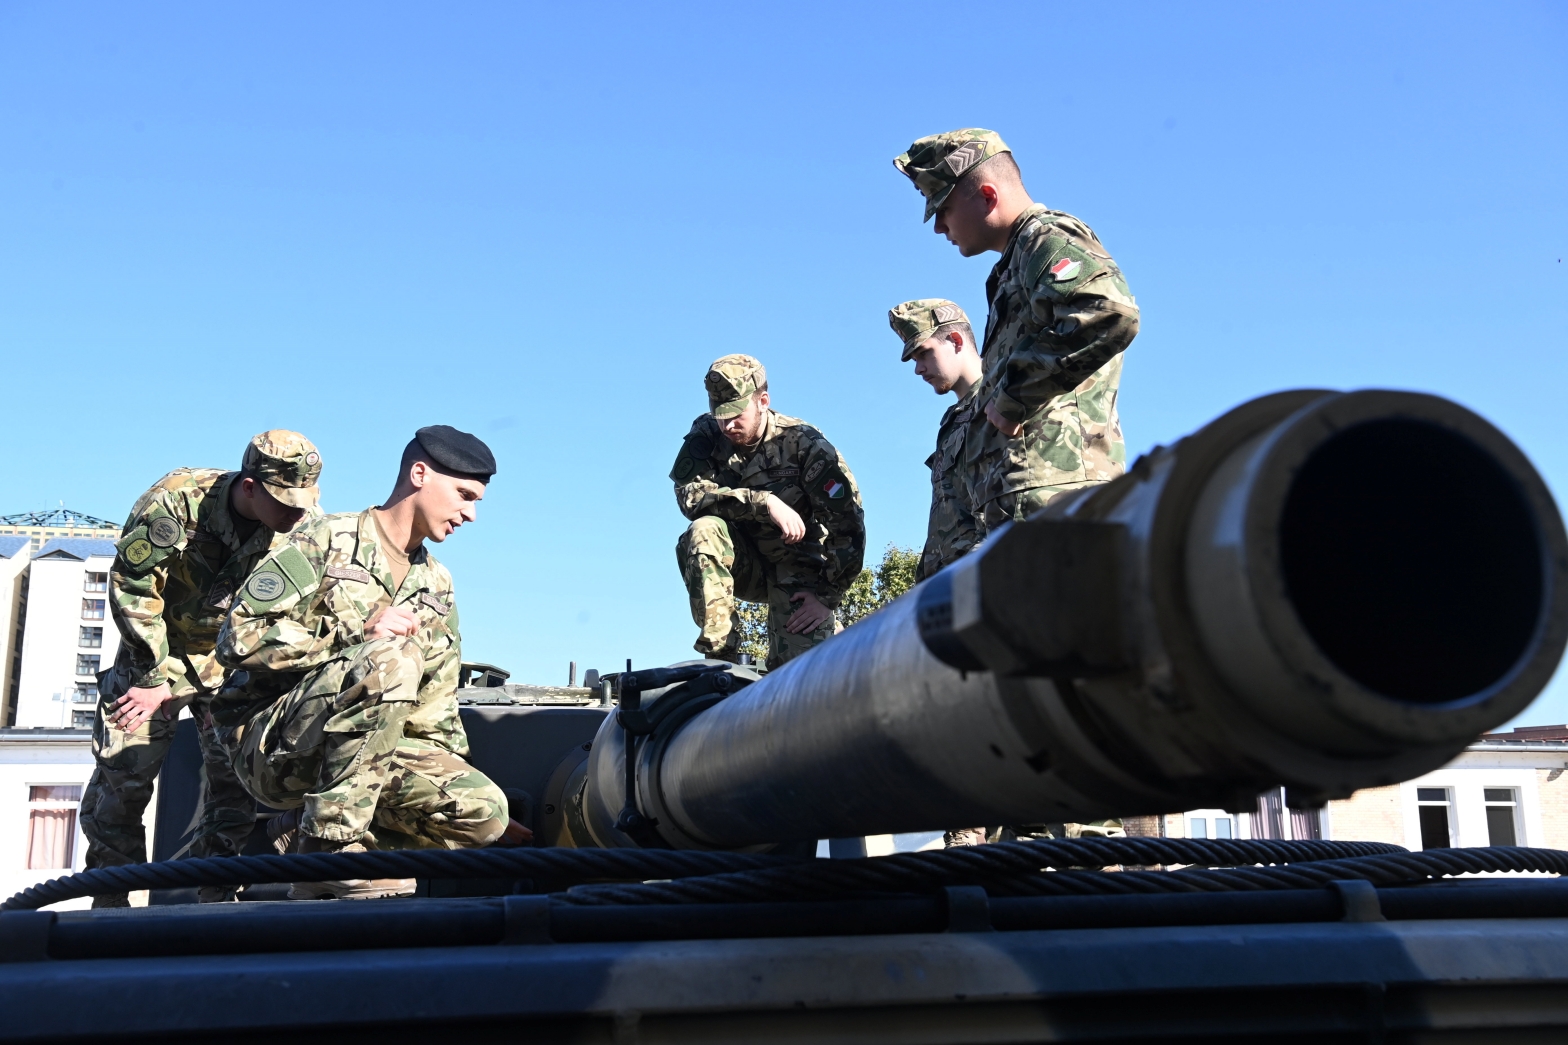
(947, 313)
(1065, 270)
(833, 488)
(964, 157)
(311, 458)
(265, 586)
(137, 551)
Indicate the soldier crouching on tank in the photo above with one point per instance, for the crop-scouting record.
(190, 541)
(343, 710)
(775, 518)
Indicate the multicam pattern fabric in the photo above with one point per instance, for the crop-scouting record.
(715, 478)
(952, 528)
(320, 715)
(731, 382)
(915, 321)
(936, 162)
(178, 563)
(287, 464)
(1061, 315)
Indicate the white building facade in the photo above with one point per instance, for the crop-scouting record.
(43, 773)
(15, 551)
(68, 634)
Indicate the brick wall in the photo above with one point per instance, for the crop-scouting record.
(1552, 786)
(1371, 815)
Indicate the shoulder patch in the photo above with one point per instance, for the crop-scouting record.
(164, 531)
(138, 551)
(1062, 266)
(265, 587)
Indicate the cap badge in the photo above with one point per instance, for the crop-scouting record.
(1065, 270)
(312, 458)
(945, 313)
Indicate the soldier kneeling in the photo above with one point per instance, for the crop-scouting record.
(343, 708)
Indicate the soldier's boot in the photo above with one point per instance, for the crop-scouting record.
(283, 830)
(963, 836)
(112, 900)
(346, 888)
(217, 894)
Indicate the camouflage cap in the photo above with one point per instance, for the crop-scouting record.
(935, 163)
(914, 321)
(732, 381)
(287, 464)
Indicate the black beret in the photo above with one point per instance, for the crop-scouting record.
(457, 451)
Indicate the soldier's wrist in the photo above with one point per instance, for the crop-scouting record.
(152, 680)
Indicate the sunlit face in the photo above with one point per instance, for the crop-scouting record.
(937, 361)
(267, 509)
(962, 219)
(745, 428)
(442, 502)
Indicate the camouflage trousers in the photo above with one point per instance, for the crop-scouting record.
(121, 786)
(334, 746)
(720, 565)
(1012, 507)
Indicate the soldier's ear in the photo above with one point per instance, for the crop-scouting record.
(956, 338)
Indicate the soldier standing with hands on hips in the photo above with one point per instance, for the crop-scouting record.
(1061, 315)
(188, 545)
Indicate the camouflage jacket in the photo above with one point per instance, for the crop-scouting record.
(1060, 316)
(792, 460)
(951, 530)
(309, 601)
(176, 568)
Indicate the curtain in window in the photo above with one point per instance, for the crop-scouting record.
(51, 837)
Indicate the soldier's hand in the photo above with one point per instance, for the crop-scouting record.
(138, 706)
(786, 519)
(808, 616)
(1003, 425)
(391, 622)
(515, 834)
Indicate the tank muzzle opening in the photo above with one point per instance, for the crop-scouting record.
(1413, 560)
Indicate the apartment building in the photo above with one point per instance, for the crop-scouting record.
(67, 634)
(38, 527)
(15, 550)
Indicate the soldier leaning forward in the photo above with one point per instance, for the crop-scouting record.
(1061, 315)
(343, 709)
(188, 544)
(775, 518)
(937, 336)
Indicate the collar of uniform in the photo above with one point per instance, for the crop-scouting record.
(219, 520)
(367, 552)
(1034, 210)
(752, 458)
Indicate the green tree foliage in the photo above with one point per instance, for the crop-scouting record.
(872, 590)
(875, 588)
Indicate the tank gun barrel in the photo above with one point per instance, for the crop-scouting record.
(1325, 591)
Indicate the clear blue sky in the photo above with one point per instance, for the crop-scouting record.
(540, 223)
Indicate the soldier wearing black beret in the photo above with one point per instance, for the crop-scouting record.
(353, 624)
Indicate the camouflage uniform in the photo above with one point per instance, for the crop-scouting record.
(363, 735)
(177, 565)
(1061, 315)
(952, 528)
(733, 549)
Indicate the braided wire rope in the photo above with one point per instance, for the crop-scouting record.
(554, 865)
(1006, 868)
(1388, 866)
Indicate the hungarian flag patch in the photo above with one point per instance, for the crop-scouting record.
(1064, 270)
(833, 488)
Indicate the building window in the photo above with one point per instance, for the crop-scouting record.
(92, 609)
(51, 824)
(1433, 808)
(82, 719)
(87, 664)
(1223, 827)
(1502, 806)
(86, 693)
(91, 638)
(95, 581)
(1197, 827)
